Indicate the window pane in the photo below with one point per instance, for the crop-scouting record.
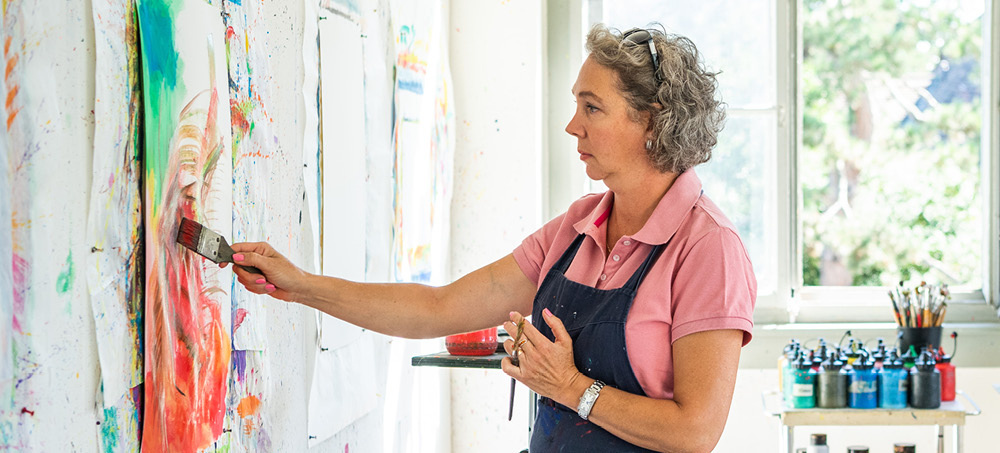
(737, 38)
(889, 165)
(740, 179)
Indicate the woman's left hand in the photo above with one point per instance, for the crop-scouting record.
(544, 366)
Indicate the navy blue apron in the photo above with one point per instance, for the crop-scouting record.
(595, 319)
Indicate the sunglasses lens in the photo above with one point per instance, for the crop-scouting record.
(637, 36)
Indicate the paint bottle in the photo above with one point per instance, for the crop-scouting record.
(784, 366)
(879, 354)
(803, 395)
(851, 352)
(947, 371)
(863, 390)
(925, 383)
(817, 444)
(892, 383)
(904, 448)
(857, 449)
(909, 358)
(831, 385)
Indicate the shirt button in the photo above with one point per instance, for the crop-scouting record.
(604, 277)
(628, 242)
(616, 258)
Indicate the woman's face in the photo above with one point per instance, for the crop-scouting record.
(610, 143)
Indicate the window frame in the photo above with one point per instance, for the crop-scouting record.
(791, 301)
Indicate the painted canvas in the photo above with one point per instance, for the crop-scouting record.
(6, 279)
(256, 161)
(424, 144)
(187, 174)
(114, 228)
(254, 152)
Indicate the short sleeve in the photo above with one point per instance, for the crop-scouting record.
(530, 255)
(714, 287)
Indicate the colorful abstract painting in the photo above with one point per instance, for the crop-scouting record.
(6, 277)
(20, 149)
(254, 149)
(188, 173)
(424, 144)
(256, 160)
(247, 402)
(114, 231)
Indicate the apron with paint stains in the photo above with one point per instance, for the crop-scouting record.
(595, 319)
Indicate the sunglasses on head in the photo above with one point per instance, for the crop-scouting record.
(639, 36)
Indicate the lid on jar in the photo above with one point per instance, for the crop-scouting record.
(857, 449)
(904, 448)
(817, 439)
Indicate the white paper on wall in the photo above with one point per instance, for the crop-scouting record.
(424, 145)
(343, 386)
(114, 225)
(6, 278)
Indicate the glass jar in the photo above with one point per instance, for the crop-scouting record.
(480, 342)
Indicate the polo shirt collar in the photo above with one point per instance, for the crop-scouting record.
(666, 217)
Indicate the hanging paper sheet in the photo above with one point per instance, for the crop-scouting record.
(188, 174)
(114, 227)
(424, 145)
(256, 160)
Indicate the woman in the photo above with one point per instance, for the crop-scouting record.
(641, 297)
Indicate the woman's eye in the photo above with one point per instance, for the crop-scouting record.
(591, 108)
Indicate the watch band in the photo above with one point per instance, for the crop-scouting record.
(587, 400)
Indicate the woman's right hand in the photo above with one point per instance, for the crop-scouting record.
(281, 279)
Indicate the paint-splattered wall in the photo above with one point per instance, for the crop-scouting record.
(59, 109)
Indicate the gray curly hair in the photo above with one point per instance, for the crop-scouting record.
(687, 126)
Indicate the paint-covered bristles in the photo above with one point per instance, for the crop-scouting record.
(189, 233)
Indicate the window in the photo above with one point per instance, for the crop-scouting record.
(859, 159)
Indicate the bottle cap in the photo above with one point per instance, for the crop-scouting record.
(817, 439)
(857, 449)
(904, 448)
(926, 361)
(802, 363)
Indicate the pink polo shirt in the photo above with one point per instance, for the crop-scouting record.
(702, 281)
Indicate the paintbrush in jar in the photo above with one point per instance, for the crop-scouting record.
(208, 243)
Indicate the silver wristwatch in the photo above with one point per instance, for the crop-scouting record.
(587, 400)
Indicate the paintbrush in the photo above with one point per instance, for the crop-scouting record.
(514, 361)
(208, 243)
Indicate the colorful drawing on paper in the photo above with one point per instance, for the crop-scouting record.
(114, 231)
(21, 146)
(246, 402)
(254, 149)
(423, 143)
(187, 174)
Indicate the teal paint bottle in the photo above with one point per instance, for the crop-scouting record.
(803, 394)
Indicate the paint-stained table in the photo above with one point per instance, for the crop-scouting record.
(951, 413)
(492, 361)
(446, 360)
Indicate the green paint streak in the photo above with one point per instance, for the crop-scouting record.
(109, 431)
(161, 67)
(65, 281)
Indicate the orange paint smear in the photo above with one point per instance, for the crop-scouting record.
(248, 406)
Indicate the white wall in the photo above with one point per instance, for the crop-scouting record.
(496, 63)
